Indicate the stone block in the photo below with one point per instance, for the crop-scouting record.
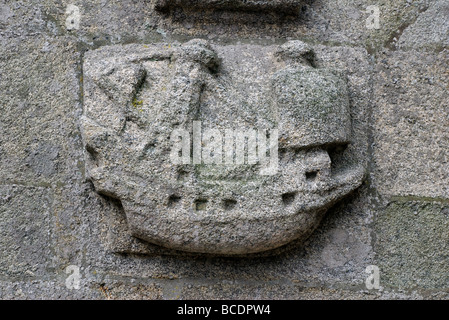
(411, 245)
(411, 124)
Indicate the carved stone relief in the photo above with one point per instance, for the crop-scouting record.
(296, 109)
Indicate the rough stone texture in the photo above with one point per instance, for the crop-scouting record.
(105, 290)
(271, 291)
(411, 245)
(127, 21)
(430, 30)
(410, 123)
(135, 96)
(25, 223)
(51, 216)
(253, 5)
(40, 105)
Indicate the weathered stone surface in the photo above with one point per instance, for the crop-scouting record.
(411, 245)
(126, 21)
(430, 30)
(40, 109)
(335, 255)
(41, 290)
(226, 208)
(259, 5)
(92, 290)
(269, 291)
(118, 290)
(343, 22)
(25, 221)
(51, 217)
(411, 124)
